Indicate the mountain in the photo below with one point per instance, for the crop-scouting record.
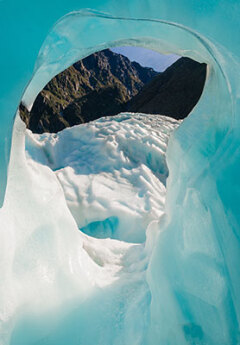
(106, 83)
(95, 86)
(172, 93)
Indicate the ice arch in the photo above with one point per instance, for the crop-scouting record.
(193, 274)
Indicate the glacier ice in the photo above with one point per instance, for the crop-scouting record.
(181, 285)
(104, 186)
(113, 172)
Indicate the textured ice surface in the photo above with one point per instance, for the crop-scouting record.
(50, 270)
(113, 172)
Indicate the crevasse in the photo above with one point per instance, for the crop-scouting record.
(181, 285)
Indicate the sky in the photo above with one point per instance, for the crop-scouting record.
(147, 57)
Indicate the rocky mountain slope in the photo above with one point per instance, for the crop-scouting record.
(95, 86)
(172, 93)
(106, 83)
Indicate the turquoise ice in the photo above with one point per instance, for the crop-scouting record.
(181, 286)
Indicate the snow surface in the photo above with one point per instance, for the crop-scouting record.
(113, 172)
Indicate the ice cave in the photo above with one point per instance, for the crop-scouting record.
(164, 267)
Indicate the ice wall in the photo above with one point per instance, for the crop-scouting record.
(193, 279)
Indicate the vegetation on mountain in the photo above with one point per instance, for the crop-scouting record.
(67, 99)
(106, 83)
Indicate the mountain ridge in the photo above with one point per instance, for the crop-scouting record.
(174, 92)
(104, 69)
(106, 83)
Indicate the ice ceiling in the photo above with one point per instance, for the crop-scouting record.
(183, 285)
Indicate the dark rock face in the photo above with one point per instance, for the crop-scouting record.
(174, 92)
(93, 87)
(110, 100)
(106, 83)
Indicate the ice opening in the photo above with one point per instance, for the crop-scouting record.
(102, 229)
(112, 168)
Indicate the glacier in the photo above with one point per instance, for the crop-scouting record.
(93, 279)
(88, 252)
(113, 172)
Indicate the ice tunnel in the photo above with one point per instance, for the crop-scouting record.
(180, 284)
